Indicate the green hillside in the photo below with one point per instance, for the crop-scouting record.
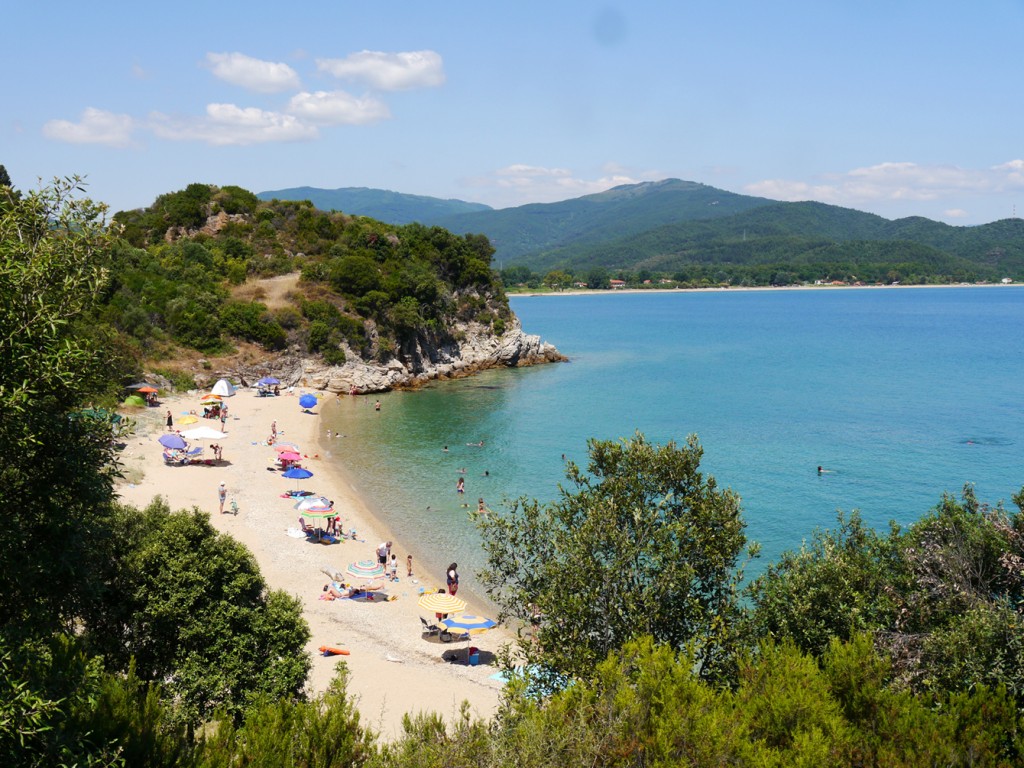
(392, 207)
(520, 234)
(800, 242)
(189, 271)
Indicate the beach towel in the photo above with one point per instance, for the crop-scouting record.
(296, 533)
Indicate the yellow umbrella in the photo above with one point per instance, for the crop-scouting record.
(441, 602)
(190, 419)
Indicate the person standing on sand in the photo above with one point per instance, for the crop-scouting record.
(452, 578)
(382, 552)
(393, 567)
(222, 494)
(408, 565)
(170, 421)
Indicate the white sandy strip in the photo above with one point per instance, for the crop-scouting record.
(393, 669)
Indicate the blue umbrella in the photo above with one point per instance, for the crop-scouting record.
(307, 401)
(172, 441)
(269, 380)
(297, 473)
(470, 625)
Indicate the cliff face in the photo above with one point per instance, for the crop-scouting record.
(476, 349)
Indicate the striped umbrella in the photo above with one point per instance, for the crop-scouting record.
(441, 602)
(315, 504)
(469, 624)
(366, 569)
(211, 398)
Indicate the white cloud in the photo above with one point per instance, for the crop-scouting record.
(227, 124)
(955, 213)
(388, 71)
(96, 126)
(253, 74)
(900, 181)
(337, 108)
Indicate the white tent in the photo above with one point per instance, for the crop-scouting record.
(224, 388)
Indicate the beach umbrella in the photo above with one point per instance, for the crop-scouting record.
(210, 399)
(172, 441)
(441, 602)
(286, 447)
(469, 624)
(268, 381)
(203, 433)
(308, 401)
(190, 419)
(147, 390)
(366, 569)
(315, 504)
(297, 473)
(289, 456)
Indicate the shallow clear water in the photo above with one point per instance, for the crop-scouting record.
(902, 393)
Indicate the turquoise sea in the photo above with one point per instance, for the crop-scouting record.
(901, 393)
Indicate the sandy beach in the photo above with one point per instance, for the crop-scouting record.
(393, 669)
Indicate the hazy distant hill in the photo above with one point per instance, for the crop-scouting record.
(801, 233)
(392, 207)
(686, 228)
(520, 235)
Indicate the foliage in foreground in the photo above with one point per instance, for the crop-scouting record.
(190, 607)
(644, 544)
(945, 597)
(645, 706)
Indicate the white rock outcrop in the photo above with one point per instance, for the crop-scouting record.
(476, 349)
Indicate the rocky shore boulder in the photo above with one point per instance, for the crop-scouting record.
(471, 348)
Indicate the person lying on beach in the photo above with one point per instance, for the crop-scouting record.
(332, 592)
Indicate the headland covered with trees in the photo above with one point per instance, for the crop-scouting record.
(144, 637)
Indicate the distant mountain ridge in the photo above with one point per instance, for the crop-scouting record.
(676, 226)
(381, 204)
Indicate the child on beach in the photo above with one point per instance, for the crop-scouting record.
(408, 565)
(393, 565)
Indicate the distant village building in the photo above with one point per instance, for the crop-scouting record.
(1006, 280)
(615, 284)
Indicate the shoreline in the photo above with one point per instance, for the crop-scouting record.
(393, 670)
(750, 288)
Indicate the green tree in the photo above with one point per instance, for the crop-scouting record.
(558, 280)
(52, 245)
(189, 604)
(5, 179)
(643, 544)
(322, 733)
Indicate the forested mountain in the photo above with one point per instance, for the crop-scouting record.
(392, 207)
(521, 235)
(698, 234)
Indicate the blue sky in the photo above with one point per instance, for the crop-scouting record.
(897, 108)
